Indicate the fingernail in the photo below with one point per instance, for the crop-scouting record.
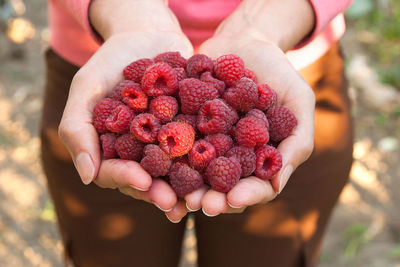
(139, 189)
(233, 207)
(161, 208)
(208, 214)
(189, 209)
(173, 220)
(85, 167)
(285, 177)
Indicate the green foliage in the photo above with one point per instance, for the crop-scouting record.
(48, 214)
(395, 252)
(380, 20)
(356, 238)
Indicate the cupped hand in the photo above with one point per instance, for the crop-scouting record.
(272, 67)
(92, 83)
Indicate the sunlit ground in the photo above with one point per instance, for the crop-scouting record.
(365, 227)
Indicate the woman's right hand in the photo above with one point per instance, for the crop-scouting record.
(92, 83)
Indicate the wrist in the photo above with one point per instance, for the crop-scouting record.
(110, 18)
(281, 22)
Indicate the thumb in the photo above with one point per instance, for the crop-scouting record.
(76, 129)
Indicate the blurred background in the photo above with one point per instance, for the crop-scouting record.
(365, 227)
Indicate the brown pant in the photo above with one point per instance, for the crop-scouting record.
(102, 227)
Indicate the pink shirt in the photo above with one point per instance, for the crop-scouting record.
(73, 39)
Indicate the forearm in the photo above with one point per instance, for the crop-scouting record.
(282, 22)
(123, 16)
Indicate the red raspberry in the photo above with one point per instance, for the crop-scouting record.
(145, 127)
(136, 69)
(258, 114)
(208, 78)
(159, 79)
(184, 180)
(176, 138)
(108, 145)
(246, 158)
(129, 148)
(269, 162)
(229, 68)
(116, 93)
(180, 74)
(243, 96)
(120, 119)
(250, 131)
(248, 73)
(221, 142)
(201, 154)
(155, 161)
(215, 117)
(281, 123)
(174, 59)
(164, 108)
(193, 93)
(198, 64)
(133, 96)
(190, 119)
(267, 97)
(223, 173)
(102, 111)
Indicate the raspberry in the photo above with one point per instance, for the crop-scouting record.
(208, 78)
(223, 173)
(190, 119)
(193, 93)
(116, 93)
(215, 117)
(250, 131)
(267, 97)
(174, 59)
(129, 148)
(198, 64)
(184, 179)
(159, 79)
(164, 108)
(281, 123)
(180, 74)
(221, 142)
(108, 145)
(229, 68)
(243, 96)
(269, 162)
(246, 158)
(120, 119)
(155, 161)
(258, 114)
(201, 154)
(101, 112)
(136, 69)
(145, 127)
(176, 138)
(248, 73)
(133, 96)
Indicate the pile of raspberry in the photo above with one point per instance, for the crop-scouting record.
(194, 121)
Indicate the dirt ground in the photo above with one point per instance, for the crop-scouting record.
(365, 226)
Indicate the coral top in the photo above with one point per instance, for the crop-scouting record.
(73, 39)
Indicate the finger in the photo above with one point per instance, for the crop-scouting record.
(178, 212)
(296, 148)
(193, 200)
(76, 129)
(115, 173)
(215, 203)
(160, 194)
(250, 191)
